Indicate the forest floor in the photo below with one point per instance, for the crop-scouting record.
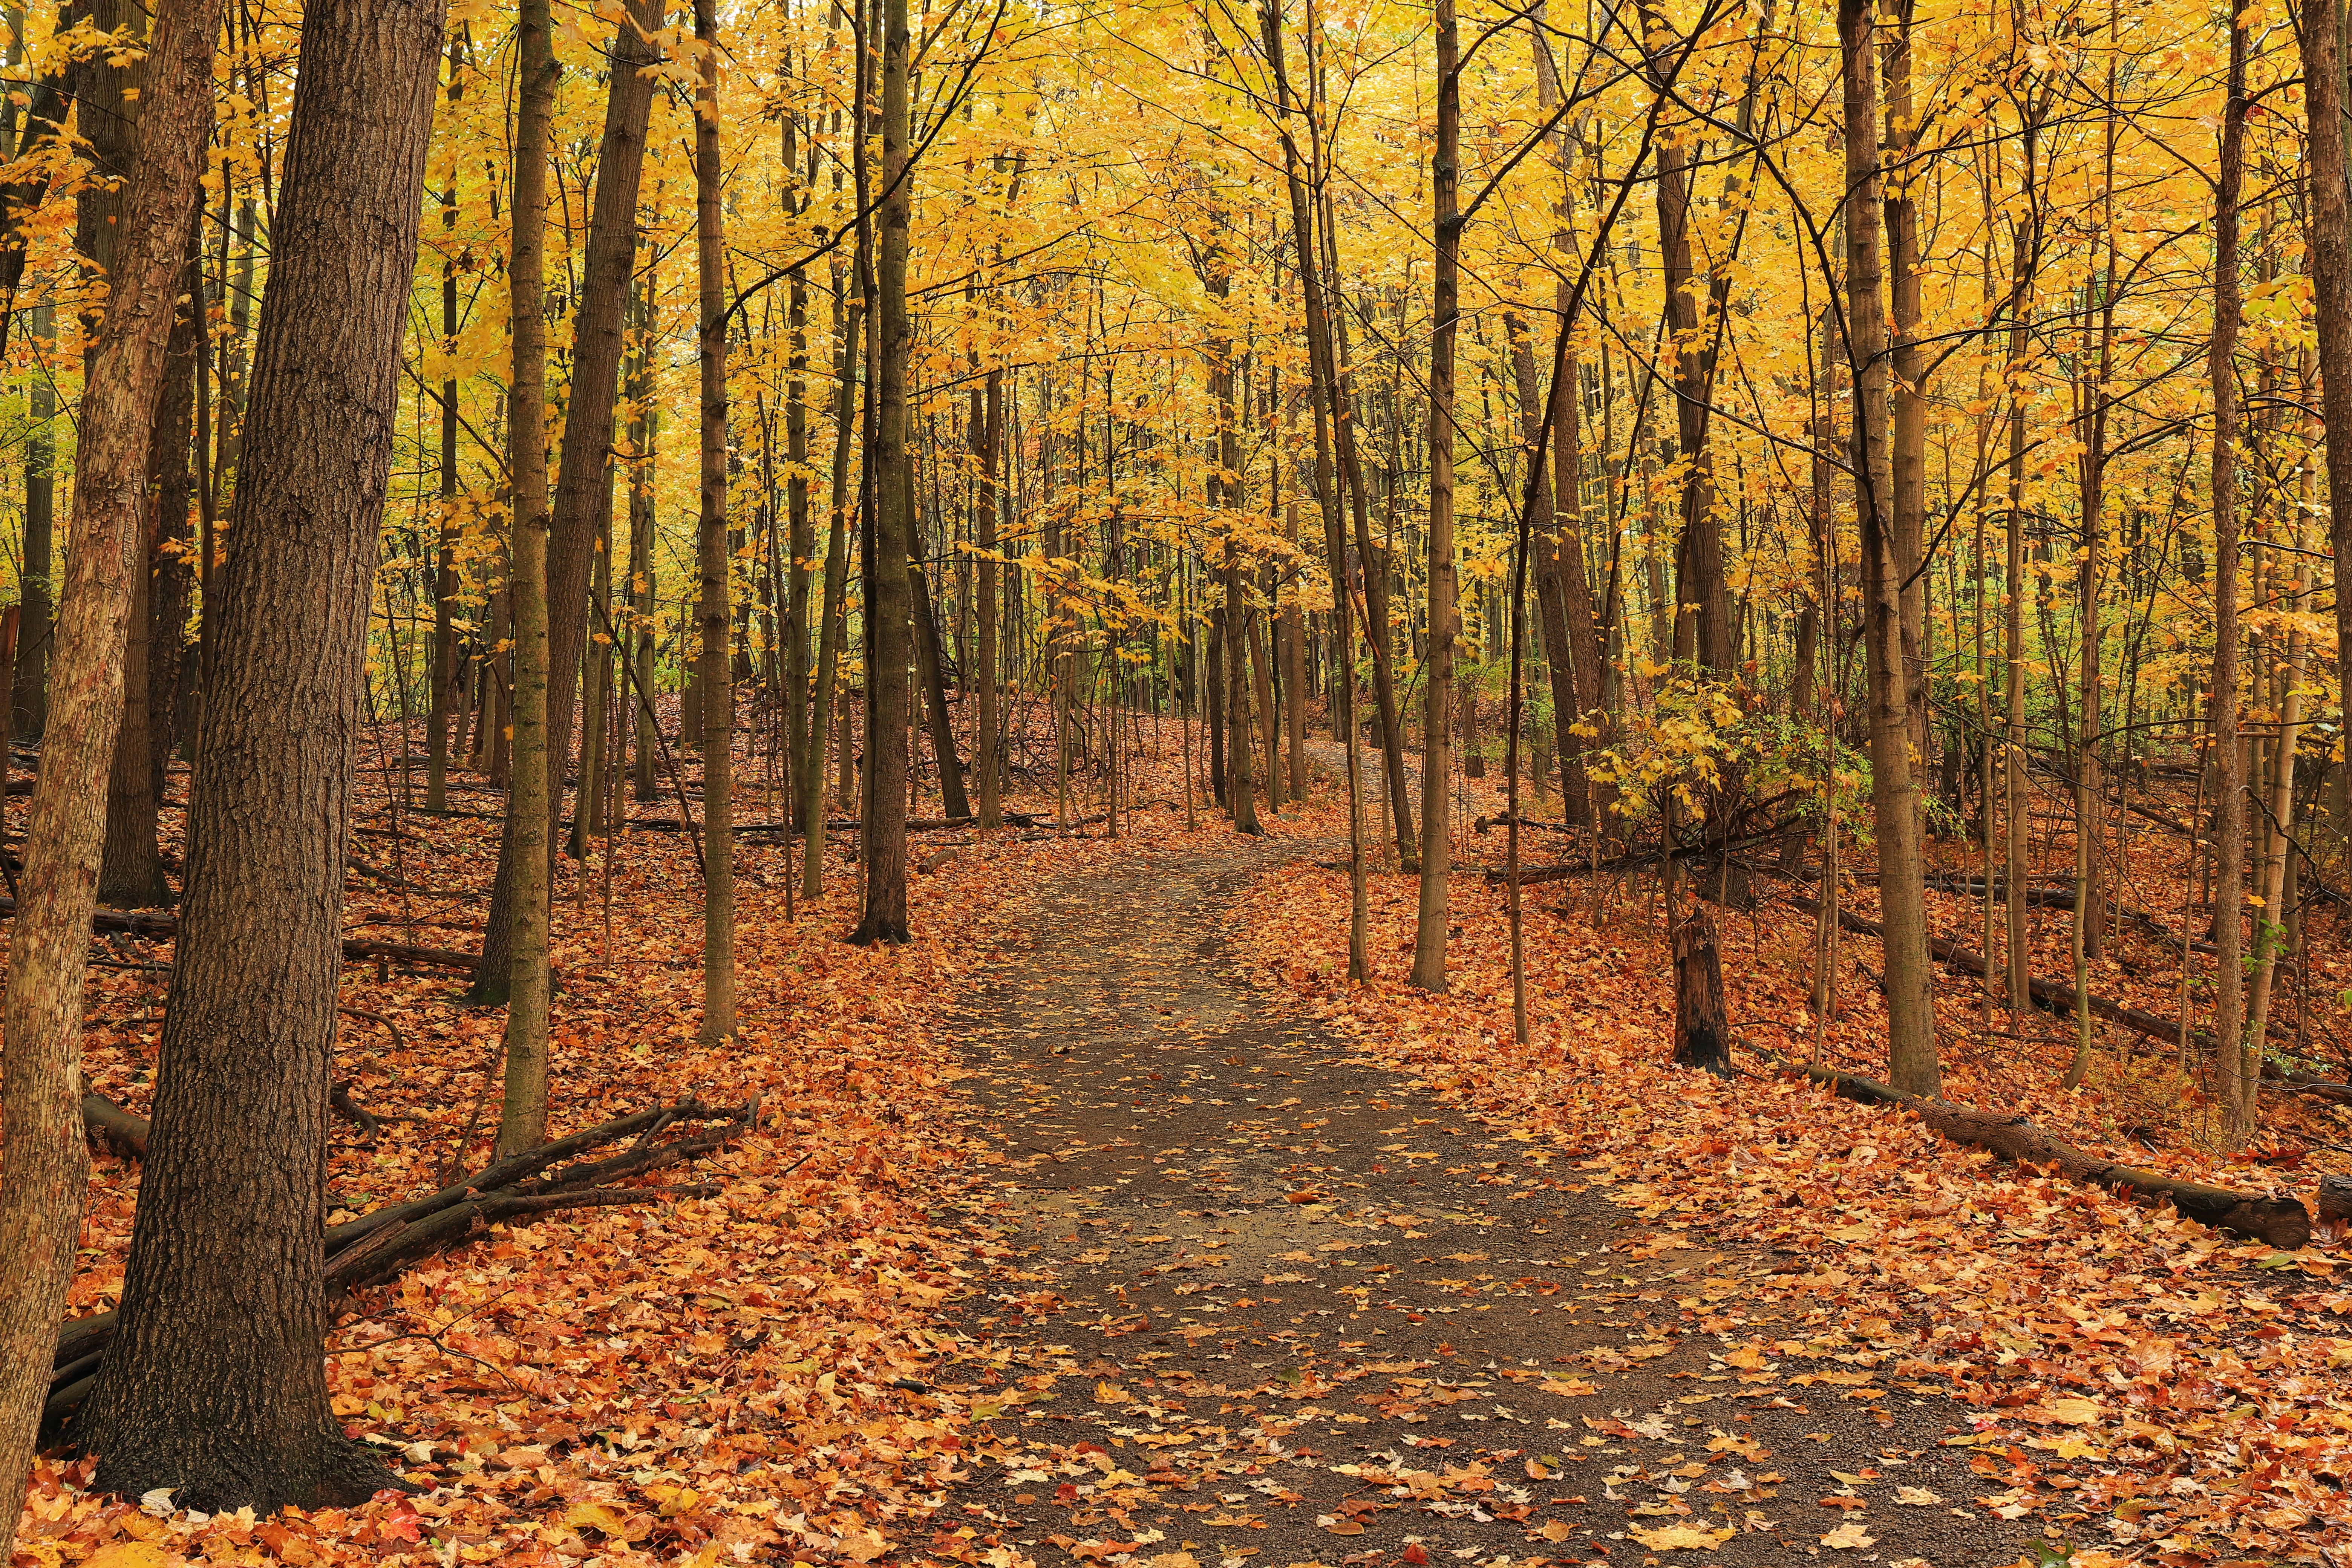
(1061, 1203)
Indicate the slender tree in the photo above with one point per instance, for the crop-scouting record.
(889, 707)
(1437, 667)
(713, 604)
(537, 779)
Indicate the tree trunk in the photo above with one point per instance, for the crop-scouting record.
(28, 688)
(568, 532)
(1702, 1024)
(952, 799)
(2024, 250)
(45, 1171)
(1910, 998)
(988, 742)
(214, 1384)
(1293, 673)
(644, 431)
(714, 605)
(885, 917)
(1437, 670)
(515, 948)
(446, 689)
(2327, 238)
(1906, 398)
(831, 627)
(2241, 1089)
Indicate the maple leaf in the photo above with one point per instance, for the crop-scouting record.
(1681, 1537)
(1849, 1537)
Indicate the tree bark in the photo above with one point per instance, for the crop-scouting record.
(1702, 1024)
(516, 946)
(1910, 998)
(832, 624)
(568, 531)
(1437, 668)
(446, 688)
(2327, 238)
(885, 917)
(953, 802)
(46, 1162)
(2241, 1089)
(716, 601)
(214, 1384)
(988, 742)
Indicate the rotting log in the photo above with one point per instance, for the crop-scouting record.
(165, 927)
(2284, 1223)
(2336, 1198)
(1635, 858)
(2060, 999)
(378, 1246)
(127, 1133)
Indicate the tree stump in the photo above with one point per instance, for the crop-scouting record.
(1702, 1031)
(2336, 1197)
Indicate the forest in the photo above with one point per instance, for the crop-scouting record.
(776, 772)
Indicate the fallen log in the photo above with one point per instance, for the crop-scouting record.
(164, 927)
(126, 1133)
(2284, 1223)
(1634, 859)
(2063, 898)
(2058, 998)
(381, 1244)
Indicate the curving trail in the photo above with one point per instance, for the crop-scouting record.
(1269, 1303)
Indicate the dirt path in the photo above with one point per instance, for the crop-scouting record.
(1268, 1304)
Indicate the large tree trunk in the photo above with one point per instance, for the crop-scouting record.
(714, 603)
(214, 1384)
(1437, 668)
(888, 702)
(1910, 998)
(45, 1165)
(514, 947)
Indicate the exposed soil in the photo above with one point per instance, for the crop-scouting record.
(1270, 1303)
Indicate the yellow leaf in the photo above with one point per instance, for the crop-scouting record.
(1681, 1537)
(1109, 1394)
(1557, 1530)
(1849, 1537)
(600, 1516)
(863, 1545)
(126, 1554)
(2074, 1410)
